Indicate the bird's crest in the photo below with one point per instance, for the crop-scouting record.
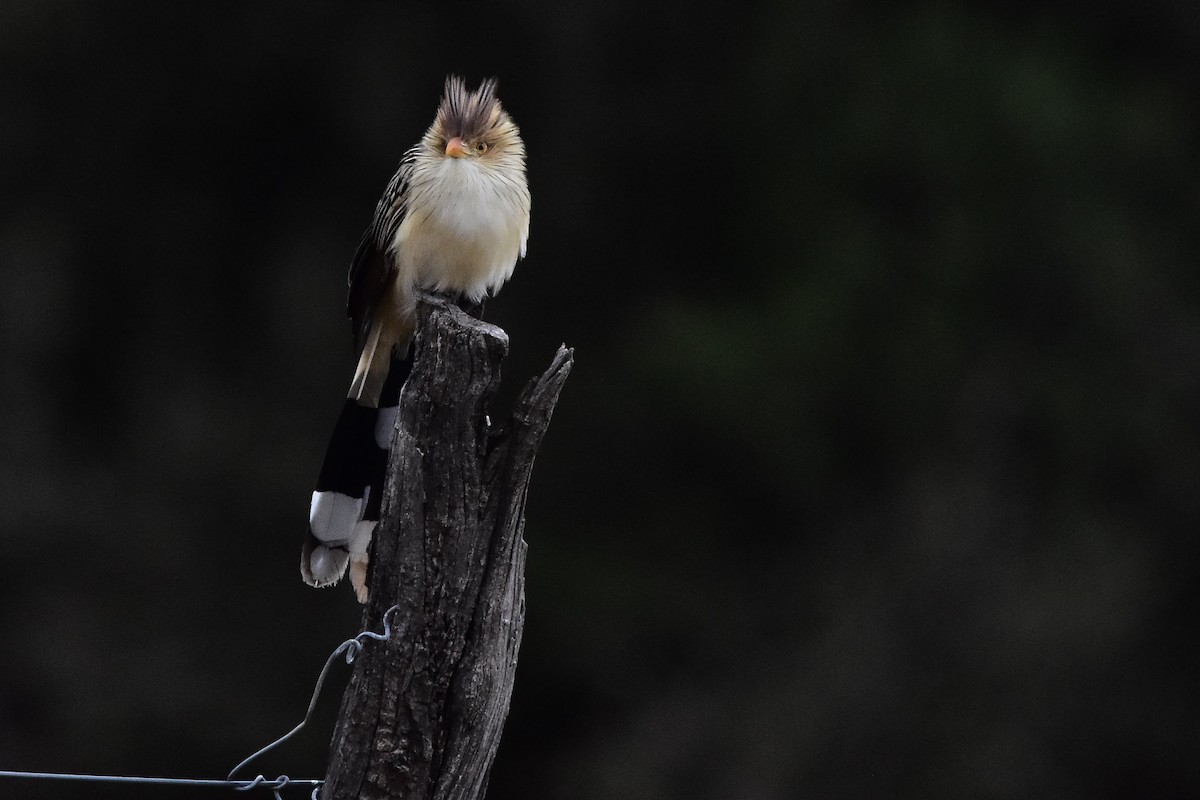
(469, 114)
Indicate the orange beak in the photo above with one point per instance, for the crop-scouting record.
(454, 147)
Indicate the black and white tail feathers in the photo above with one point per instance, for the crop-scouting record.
(346, 503)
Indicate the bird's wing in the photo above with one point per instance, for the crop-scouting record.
(370, 274)
(373, 267)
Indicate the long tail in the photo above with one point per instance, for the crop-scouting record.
(346, 503)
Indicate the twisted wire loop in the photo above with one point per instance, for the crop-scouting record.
(352, 648)
(276, 786)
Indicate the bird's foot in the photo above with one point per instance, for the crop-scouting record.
(467, 305)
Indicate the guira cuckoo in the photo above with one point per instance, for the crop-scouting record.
(453, 219)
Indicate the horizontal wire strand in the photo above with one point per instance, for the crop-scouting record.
(278, 783)
(239, 785)
(351, 648)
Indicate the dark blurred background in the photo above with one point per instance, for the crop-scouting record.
(877, 472)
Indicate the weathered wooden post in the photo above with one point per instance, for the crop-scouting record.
(423, 713)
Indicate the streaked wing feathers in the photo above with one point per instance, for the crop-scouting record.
(371, 271)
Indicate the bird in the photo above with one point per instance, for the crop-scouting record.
(454, 219)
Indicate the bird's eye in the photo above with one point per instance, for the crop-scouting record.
(481, 148)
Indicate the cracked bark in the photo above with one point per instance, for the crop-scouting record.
(423, 713)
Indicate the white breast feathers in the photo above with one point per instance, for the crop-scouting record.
(464, 229)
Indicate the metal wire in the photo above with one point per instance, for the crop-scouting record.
(351, 648)
(242, 785)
